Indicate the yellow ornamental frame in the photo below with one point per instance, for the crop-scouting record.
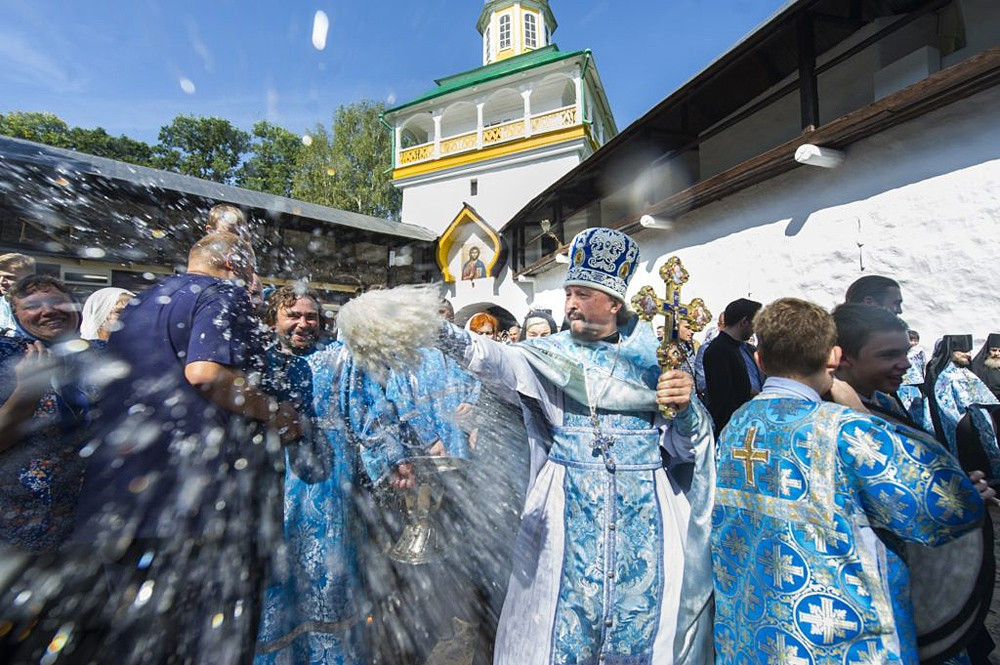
(448, 239)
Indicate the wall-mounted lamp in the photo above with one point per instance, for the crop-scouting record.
(562, 257)
(525, 279)
(403, 257)
(650, 222)
(813, 155)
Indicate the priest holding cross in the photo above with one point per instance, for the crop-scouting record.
(612, 561)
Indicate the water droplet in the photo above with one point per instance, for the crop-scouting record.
(92, 253)
(148, 276)
(321, 26)
(240, 464)
(307, 140)
(163, 300)
(145, 560)
(145, 593)
(217, 620)
(187, 85)
(76, 345)
(22, 598)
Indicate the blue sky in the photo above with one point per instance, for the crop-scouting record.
(119, 64)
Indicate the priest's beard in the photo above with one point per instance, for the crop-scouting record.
(992, 363)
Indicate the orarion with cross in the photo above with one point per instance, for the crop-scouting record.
(671, 355)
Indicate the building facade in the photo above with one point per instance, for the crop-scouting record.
(472, 151)
(905, 91)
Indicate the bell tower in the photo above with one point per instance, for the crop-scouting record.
(513, 27)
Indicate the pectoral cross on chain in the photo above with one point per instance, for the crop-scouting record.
(671, 355)
(749, 455)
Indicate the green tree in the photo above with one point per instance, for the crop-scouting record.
(209, 148)
(314, 172)
(46, 128)
(271, 166)
(99, 142)
(350, 168)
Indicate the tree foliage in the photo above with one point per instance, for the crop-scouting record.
(349, 167)
(210, 148)
(99, 142)
(314, 171)
(273, 156)
(46, 128)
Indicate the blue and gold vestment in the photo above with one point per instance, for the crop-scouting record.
(801, 576)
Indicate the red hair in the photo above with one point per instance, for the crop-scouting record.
(480, 320)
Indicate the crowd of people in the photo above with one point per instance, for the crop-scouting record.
(199, 473)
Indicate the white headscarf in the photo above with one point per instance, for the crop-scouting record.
(97, 309)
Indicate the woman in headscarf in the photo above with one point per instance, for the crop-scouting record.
(538, 323)
(101, 311)
(43, 410)
(484, 323)
(986, 364)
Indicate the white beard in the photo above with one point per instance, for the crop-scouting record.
(992, 363)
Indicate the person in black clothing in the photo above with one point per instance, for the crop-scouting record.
(986, 364)
(731, 374)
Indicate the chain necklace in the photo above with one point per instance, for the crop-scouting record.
(602, 442)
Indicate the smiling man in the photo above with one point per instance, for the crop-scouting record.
(875, 345)
(294, 317)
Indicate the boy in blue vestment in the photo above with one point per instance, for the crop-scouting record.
(801, 575)
(875, 345)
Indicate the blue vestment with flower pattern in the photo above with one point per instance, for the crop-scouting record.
(314, 611)
(611, 563)
(914, 377)
(958, 392)
(801, 576)
(426, 398)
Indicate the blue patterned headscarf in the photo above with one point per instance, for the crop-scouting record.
(602, 259)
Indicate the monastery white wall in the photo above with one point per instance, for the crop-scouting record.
(434, 201)
(922, 200)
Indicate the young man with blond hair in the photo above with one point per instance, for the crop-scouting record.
(800, 574)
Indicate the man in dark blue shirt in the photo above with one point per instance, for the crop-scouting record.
(178, 473)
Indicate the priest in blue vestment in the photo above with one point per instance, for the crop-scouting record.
(811, 499)
(611, 562)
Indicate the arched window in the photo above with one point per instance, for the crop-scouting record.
(505, 32)
(530, 31)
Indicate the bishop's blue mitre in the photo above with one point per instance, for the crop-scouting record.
(602, 259)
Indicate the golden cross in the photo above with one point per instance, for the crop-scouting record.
(671, 355)
(748, 455)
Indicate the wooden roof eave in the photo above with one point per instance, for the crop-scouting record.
(978, 73)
